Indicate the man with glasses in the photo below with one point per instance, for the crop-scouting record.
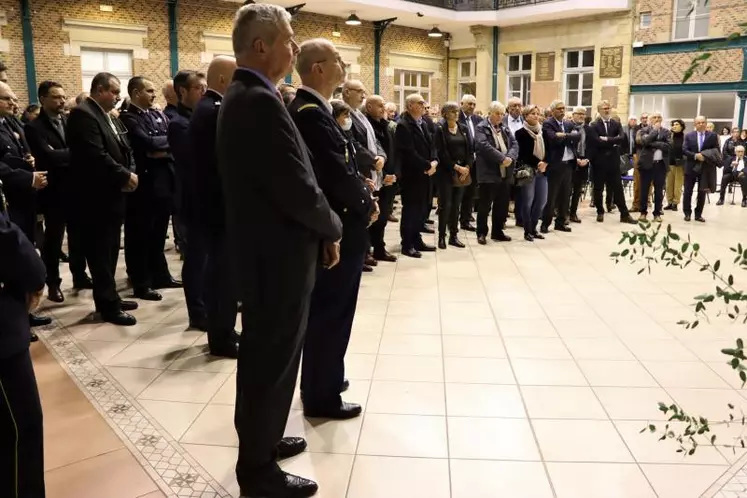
(581, 168)
(561, 140)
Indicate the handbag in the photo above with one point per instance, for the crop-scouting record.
(458, 181)
(625, 164)
(523, 175)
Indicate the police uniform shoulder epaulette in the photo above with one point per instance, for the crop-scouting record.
(307, 106)
(217, 103)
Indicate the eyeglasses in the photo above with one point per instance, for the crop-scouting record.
(6, 98)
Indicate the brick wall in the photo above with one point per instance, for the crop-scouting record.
(14, 59)
(725, 17)
(726, 65)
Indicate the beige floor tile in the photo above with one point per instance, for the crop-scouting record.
(175, 417)
(189, 387)
(330, 471)
(115, 333)
(473, 346)
(478, 370)
(463, 325)
(546, 348)
(582, 328)
(409, 368)
(325, 436)
(682, 481)
(396, 324)
(406, 398)
(403, 435)
(134, 380)
(580, 441)
(364, 343)
(531, 327)
(616, 373)
(213, 426)
(368, 323)
(199, 359)
(226, 395)
(173, 334)
(594, 480)
(372, 306)
(491, 439)
(548, 373)
(219, 462)
(102, 351)
(386, 477)
(559, 402)
(490, 479)
(359, 366)
(598, 349)
(146, 355)
(659, 350)
(484, 400)
(710, 403)
(422, 305)
(685, 374)
(633, 403)
(410, 344)
(647, 448)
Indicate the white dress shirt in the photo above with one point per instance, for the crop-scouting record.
(515, 124)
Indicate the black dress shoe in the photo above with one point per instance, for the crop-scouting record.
(600, 218)
(343, 412)
(427, 229)
(55, 295)
(393, 219)
(544, 229)
(412, 253)
(481, 240)
(39, 321)
(123, 319)
(148, 295)
(171, 283)
(529, 237)
(423, 247)
(501, 237)
(287, 486)
(345, 385)
(371, 261)
(575, 219)
(84, 282)
(468, 227)
(227, 349)
(199, 324)
(64, 257)
(128, 305)
(687, 217)
(744, 203)
(700, 219)
(366, 268)
(288, 447)
(429, 221)
(720, 202)
(454, 241)
(442, 242)
(385, 256)
(563, 228)
(628, 219)
(538, 235)
(34, 338)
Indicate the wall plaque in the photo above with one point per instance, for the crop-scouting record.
(611, 62)
(545, 66)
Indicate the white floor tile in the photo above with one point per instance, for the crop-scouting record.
(490, 479)
(387, 477)
(403, 435)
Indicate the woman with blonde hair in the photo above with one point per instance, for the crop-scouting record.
(532, 163)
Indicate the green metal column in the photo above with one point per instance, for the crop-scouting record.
(494, 92)
(28, 50)
(742, 104)
(379, 28)
(173, 36)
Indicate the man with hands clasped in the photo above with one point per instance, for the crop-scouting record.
(655, 142)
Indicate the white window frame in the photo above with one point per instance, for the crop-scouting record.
(419, 88)
(581, 70)
(461, 80)
(525, 91)
(694, 15)
(123, 77)
(645, 20)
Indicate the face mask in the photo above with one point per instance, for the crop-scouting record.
(347, 124)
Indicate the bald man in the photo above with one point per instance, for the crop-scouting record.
(171, 99)
(206, 259)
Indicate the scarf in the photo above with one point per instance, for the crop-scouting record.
(539, 144)
(498, 137)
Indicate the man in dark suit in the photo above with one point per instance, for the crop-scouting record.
(695, 143)
(512, 122)
(468, 118)
(21, 430)
(335, 294)
(279, 226)
(103, 171)
(605, 137)
(18, 173)
(149, 207)
(46, 137)
(208, 232)
(562, 138)
(418, 159)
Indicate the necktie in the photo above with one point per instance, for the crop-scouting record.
(700, 141)
(606, 127)
(58, 125)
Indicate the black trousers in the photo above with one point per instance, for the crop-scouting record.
(658, 176)
(449, 204)
(607, 174)
(194, 247)
(222, 305)
(51, 249)
(333, 304)
(467, 206)
(377, 229)
(100, 240)
(580, 177)
(21, 429)
(732, 177)
(687, 200)
(414, 201)
(146, 224)
(493, 196)
(559, 184)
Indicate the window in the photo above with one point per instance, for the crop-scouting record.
(579, 78)
(467, 81)
(118, 63)
(691, 19)
(645, 20)
(409, 82)
(519, 70)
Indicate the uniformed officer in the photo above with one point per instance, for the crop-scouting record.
(22, 277)
(209, 229)
(17, 171)
(335, 294)
(149, 207)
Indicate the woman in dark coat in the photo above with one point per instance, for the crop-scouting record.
(532, 153)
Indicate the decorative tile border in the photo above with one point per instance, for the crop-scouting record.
(161, 456)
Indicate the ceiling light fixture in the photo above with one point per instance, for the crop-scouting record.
(435, 33)
(353, 20)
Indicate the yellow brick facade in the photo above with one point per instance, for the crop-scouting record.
(725, 17)
(726, 65)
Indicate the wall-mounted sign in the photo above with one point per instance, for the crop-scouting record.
(611, 62)
(545, 66)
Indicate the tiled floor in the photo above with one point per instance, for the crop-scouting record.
(510, 370)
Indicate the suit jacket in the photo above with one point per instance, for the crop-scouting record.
(100, 162)
(629, 142)
(605, 153)
(271, 194)
(336, 170)
(185, 191)
(416, 150)
(365, 158)
(555, 146)
(729, 153)
(446, 161)
(490, 157)
(21, 272)
(205, 185)
(690, 147)
(171, 111)
(649, 141)
(50, 150)
(17, 175)
(385, 131)
(465, 120)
